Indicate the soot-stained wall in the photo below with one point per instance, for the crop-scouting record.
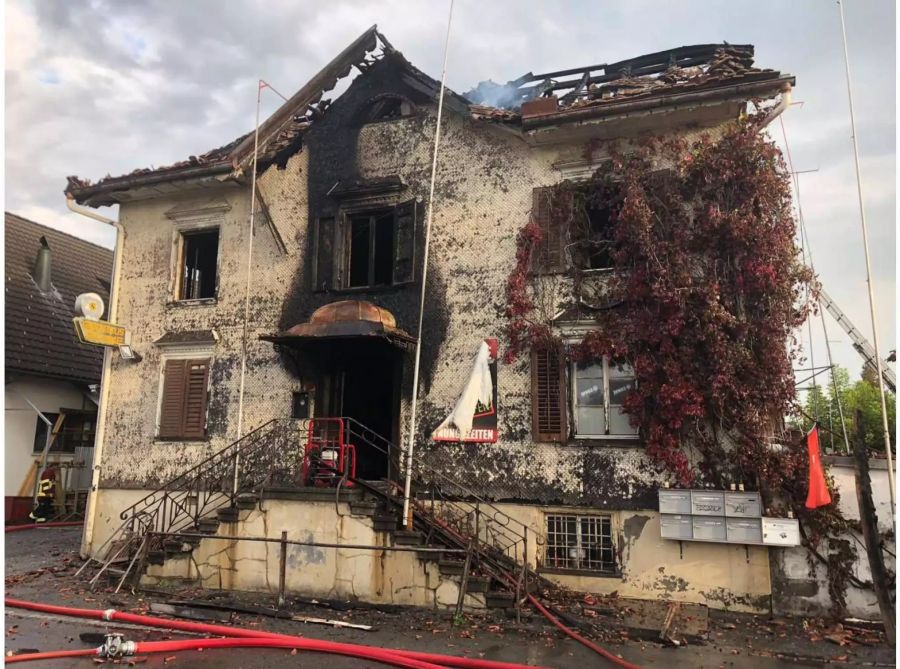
(483, 196)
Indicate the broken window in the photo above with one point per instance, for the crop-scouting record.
(599, 389)
(580, 543)
(371, 249)
(594, 239)
(199, 258)
(365, 249)
(182, 412)
(387, 108)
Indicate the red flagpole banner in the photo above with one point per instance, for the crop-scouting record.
(818, 488)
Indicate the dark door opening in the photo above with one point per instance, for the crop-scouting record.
(364, 386)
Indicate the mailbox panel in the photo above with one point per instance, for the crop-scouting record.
(709, 529)
(743, 530)
(676, 527)
(675, 501)
(742, 505)
(781, 531)
(708, 503)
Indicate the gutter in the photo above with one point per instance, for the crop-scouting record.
(90, 513)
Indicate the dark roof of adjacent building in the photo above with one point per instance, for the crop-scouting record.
(40, 337)
(525, 103)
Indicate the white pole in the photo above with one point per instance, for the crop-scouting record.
(865, 234)
(240, 423)
(407, 516)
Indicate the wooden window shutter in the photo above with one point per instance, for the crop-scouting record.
(548, 396)
(404, 242)
(184, 399)
(323, 254)
(550, 252)
(171, 412)
(196, 378)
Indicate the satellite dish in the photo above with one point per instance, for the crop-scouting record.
(90, 305)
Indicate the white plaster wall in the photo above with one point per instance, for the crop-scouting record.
(806, 585)
(21, 421)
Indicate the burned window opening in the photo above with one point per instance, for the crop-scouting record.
(199, 258)
(388, 108)
(594, 239)
(370, 261)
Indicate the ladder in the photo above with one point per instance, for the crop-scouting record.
(860, 343)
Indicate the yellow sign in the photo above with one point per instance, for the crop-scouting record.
(100, 333)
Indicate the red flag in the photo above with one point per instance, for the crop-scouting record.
(818, 489)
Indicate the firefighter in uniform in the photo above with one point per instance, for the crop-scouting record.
(45, 496)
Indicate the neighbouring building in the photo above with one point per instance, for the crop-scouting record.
(47, 368)
(233, 367)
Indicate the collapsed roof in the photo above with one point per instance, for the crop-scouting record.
(523, 104)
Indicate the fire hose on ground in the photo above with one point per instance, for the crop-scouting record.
(394, 657)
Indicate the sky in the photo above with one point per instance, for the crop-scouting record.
(101, 87)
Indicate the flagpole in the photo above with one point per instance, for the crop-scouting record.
(407, 484)
(240, 420)
(865, 236)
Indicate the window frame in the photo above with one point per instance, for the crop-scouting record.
(183, 232)
(605, 530)
(374, 215)
(574, 406)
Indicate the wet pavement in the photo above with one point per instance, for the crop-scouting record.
(40, 566)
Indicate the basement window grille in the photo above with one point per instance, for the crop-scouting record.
(580, 543)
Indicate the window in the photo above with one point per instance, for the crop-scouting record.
(573, 232)
(388, 108)
(598, 393)
(371, 249)
(182, 413)
(365, 248)
(580, 543)
(199, 258)
(76, 431)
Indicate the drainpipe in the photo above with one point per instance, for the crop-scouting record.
(91, 510)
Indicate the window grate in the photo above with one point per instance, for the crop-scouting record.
(580, 542)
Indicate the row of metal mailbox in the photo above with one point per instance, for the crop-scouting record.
(711, 503)
(771, 531)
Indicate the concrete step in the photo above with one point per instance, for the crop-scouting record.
(246, 501)
(408, 538)
(385, 522)
(208, 525)
(367, 507)
(428, 555)
(478, 584)
(156, 557)
(497, 599)
(451, 567)
(229, 515)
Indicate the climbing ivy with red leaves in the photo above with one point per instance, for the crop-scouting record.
(708, 291)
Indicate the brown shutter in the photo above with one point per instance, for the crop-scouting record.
(323, 254)
(171, 413)
(548, 396)
(404, 242)
(196, 377)
(550, 252)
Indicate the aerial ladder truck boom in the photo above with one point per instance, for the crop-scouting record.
(860, 343)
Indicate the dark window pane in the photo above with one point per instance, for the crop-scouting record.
(359, 251)
(384, 249)
(198, 279)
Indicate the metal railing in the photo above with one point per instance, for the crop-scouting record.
(272, 456)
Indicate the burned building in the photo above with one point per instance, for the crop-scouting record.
(249, 357)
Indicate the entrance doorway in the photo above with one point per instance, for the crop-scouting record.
(363, 384)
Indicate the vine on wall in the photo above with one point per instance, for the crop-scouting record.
(708, 291)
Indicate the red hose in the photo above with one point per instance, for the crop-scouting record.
(222, 630)
(53, 655)
(31, 526)
(580, 639)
